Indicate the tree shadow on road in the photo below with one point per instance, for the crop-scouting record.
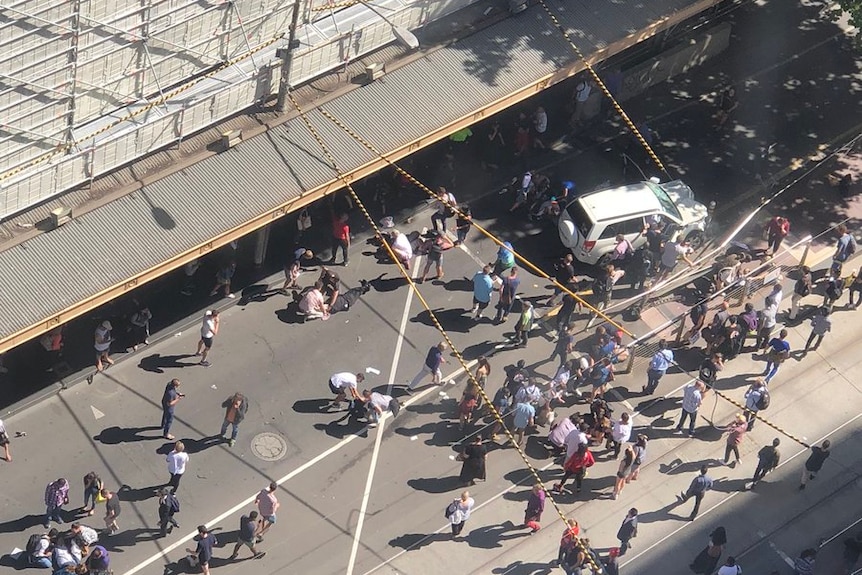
(116, 435)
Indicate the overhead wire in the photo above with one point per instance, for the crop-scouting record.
(404, 273)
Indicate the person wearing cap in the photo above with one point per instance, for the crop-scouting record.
(103, 345)
(735, 433)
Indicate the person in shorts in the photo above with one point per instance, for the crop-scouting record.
(247, 536)
(267, 504)
(209, 329)
(342, 383)
(202, 554)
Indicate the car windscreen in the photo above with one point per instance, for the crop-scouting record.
(667, 204)
(579, 217)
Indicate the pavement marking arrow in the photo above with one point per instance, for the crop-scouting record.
(96, 413)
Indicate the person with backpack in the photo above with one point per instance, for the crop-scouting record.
(767, 460)
(658, 365)
(756, 398)
(820, 326)
(801, 289)
(458, 512)
(779, 351)
(39, 549)
(168, 505)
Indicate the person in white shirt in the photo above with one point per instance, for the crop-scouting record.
(177, 460)
(575, 439)
(441, 211)
(377, 403)
(402, 248)
(621, 432)
(343, 383)
(102, 345)
(730, 567)
(461, 509)
(209, 329)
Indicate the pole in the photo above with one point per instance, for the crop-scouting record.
(287, 61)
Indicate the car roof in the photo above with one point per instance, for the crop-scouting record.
(621, 202)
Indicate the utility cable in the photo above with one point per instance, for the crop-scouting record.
(497, 416)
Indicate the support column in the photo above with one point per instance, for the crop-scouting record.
(261, 244)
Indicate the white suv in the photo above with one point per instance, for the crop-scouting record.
(589, 224)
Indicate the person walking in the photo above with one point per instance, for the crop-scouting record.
(708, 371)
(564, 276)
(855, 288)
(735, 434)
(177, 460)
(640, 449)
(436, 245)
(754, 399)
(776, 230)
(433, 361)
(535, 507)
(692, 398)
(628, 530)
(170, 398)
(508, 291)
(576, 465)
(472, 459)
(458, 513)
(779, 351)
(729, 568)
(802, 288)
(814, 463)
(92, 487)
(821, 324)
(524, 324)
(102, 345)
(766, 323)
(567, 540)
(168, 505)
(844, 248)
(209, 329)
(767, 460)
(564, 345)
(564, 314)
(463, 223)
(112, 511)
(247, 536)
(236, 406)
(483, 287)
(523, 416)
(658, 365)
(267, 505)
(698, 488)
(342, 384)
(340, 238)
(706, 560)
(623, 471)
(204, 548)
(56, 496)
(4, 441)
(443, 209)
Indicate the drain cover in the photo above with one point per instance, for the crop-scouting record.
(268, 446)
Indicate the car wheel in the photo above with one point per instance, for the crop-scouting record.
(605, 260)
(696, 239)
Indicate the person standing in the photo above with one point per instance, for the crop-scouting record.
(177, 460)
(779, 351)
(620, 433)
(204, 548)
(698, 488)
(639, 448)
(340, 237)
(343, 383)
(247, 536)
(564, 276)
(706, 560)
(567, 540)
(628, 530)
(112, 511)
(564, 314)
(458, 513)
(236, 406)
(4, 441)
(673, 251)
(564, 345)
(168, 505)
(767, 460)
(92, 487)
(140, 328)
(855, 287)
(801, 289)
(433, 361)
(524, 324)
(623, 471)
(844, 248)
(766, 323)
(535, 507)
(576, 465)
(754, 399)
(472, 461)
(814, 463)
(224, 275)
(692, 398)
(540, 126)
(523, 416)
(776, 230)
(483, 287)
(658, 366)
(102, 345)
(267, 504)
(463, 223)
(56, 496)
(508, 291)
(170, 399)
(708, 372)
(820, 326)
(443, 209)
(729, 568)
(735, 433)
(209, 329)
(505, 259)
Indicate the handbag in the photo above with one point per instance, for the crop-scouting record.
(100, 498)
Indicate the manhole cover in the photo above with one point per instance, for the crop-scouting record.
(268, 446)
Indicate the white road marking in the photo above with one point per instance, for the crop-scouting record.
(366, 495)
(731, 496)
(96, 413)
(781, 553)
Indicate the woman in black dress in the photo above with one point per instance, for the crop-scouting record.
(473, 458)
(707, 560)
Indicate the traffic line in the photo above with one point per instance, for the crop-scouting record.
(369, 480)
(731, 496)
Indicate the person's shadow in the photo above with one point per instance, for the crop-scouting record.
(193, 445)
(127, 493)
(115, 435)
(25, 523)
(157, 363)
(492, 536)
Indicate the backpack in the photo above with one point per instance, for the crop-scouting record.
(763, 400)
(33, 543)
(173, 503)
(450, 509)
(707, 373)
(802, 287)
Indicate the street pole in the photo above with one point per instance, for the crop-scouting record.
(286, 55)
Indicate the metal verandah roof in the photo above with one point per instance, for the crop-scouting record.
(57, 275)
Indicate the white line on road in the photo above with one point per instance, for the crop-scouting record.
(731, 496)
(366, 495)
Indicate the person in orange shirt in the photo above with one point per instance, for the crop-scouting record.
(236, 407)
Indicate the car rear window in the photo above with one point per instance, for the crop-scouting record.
(579, 218)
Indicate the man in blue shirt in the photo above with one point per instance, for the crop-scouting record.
(433, 361)
(777, 351)
(523, 416)
(657, 367)
(483, 286)
(698, 488)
